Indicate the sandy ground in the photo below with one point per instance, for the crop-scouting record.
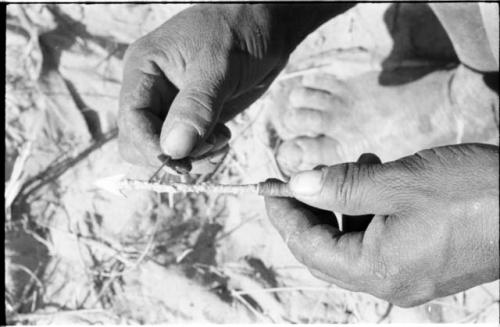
(76, 254)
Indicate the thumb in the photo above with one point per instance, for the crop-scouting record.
(350, 188)
(191, 117)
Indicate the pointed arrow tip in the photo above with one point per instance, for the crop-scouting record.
(111, 184)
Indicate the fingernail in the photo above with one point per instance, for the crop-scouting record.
(179, 141)
(307, 183)
(369, 158)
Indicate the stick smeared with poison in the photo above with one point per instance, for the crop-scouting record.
(270, 187)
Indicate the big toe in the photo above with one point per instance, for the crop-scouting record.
(303, 153)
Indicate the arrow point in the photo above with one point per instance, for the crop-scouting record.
(111, 184)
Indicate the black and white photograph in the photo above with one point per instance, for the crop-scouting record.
(251, 163)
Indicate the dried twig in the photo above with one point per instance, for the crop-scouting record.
(287, 289)
(242, 300)
(56, 170)
(386, 314)
(41, 315)
(188, 188)
(17, 177)
(27, 271)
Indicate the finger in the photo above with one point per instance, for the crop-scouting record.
(144, 100)
(318, 246)
(219, 138)
(350, 188)
(139, 137)
(192, 115)
(308, 122)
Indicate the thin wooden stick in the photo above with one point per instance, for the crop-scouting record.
(271, 187)
(132, 184)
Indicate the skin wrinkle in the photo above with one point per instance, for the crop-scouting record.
(341, 180)
(351, 184)
(207, 114)
(168, 59)
(371, 254)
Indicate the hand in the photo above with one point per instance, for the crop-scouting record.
(185, 79)
(202, 67)
(435, 231)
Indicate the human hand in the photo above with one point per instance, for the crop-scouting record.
(202, 67)
(184, 80)
(435, 231)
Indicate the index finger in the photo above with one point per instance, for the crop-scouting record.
(145, 97)
(318, 245)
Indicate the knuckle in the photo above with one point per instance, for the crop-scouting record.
(344, 178)
(382, 263)
(389, 290)
(378, 269)
(136, 49)
(404, 292)
(414, 164)
(387, 280)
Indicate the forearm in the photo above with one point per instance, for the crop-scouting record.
(283, 26)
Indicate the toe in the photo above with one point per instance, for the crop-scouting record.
(326, 82)
(289, 156)
(305, 121)
(305, 97)
(303, 153)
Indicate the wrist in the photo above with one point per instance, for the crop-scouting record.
(297, 21)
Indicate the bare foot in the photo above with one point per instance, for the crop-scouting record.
(324, 120)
